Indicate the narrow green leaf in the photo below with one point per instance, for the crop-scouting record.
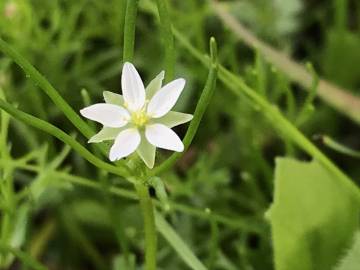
(129, 30)
(23, 257)
(200, 109)
(238, 87)
(331, 143)
(61, 135)
(178, 244)
(168, 38)
(45, 85)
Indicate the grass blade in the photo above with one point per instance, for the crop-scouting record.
(178, 244)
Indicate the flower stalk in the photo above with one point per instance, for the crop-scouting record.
(147, 209)
(201, 106)
(129, 29)
(168, 38)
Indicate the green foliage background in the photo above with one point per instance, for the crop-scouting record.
(58, 209)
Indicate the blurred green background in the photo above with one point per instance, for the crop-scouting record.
(229, 167)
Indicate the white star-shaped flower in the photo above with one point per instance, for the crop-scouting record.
(139, 120)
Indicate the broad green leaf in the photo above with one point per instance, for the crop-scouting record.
(113, 98)
(351, 261)
(178, 244)
(105, 134)
(173, 119)
(313, 217)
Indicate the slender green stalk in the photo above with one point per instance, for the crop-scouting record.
(61, 135)
(335, 96)
(45, 85)
(178, 244)
(341, 13)
(87, 247)
(308, 107)
(168, 38)
(129, 30)
(331, 143)
(273, 114)
(242, 223)
(23, 257)
(7, 193)
(117, 222)
(40, 239)
(203, 103)
(149, 226)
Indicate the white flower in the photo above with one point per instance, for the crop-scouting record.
(139, 120)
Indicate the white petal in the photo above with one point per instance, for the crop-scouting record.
(125, 144)
(173, 119)
(154, 85)
(163, 137)
(107, 114)
(165, 98)
(106, 134)
(146, 152)
(132, 87)
(113, 98)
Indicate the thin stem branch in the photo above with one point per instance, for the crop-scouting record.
(129, 30)
(200, 109)
(147, 208)
(337, 97)
(168, 38)
(238, 87)
(242, 223)
(61, 135)
(23, 257)
(45, 85)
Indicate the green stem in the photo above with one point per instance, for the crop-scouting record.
(129, 30)
(338, 147)
(44, 84)
(273, 114)
(339, 98)
(242, 223)
(341, 11)
(168, 39)
(25, 258)
(203, 103)
(61, 135)
(147, 208)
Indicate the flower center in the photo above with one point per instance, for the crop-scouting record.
(139, 118)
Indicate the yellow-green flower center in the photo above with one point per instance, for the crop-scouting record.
(139, 119)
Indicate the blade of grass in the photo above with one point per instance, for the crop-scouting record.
(178, 244)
